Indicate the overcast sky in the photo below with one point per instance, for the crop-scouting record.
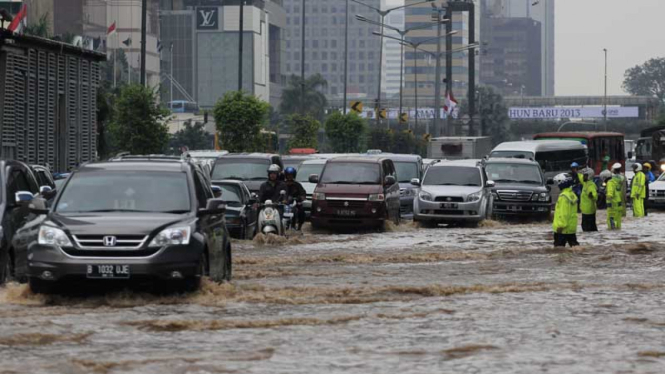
(632, 30)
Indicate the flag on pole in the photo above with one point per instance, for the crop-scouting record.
(127, 42)
(20, 21)
(111, 29)
(451, 103)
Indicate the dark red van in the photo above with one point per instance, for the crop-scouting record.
(355, 191)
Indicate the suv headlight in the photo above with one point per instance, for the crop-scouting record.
(425, 196)
(474, 197)
(49, 235)
(318, 196)
(544, 196)
(376, 197)
(172, 236)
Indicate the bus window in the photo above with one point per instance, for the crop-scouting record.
(560, 161)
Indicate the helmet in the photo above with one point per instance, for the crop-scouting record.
(589, 172)
(616, 166)
(647, 166)
(574, 165)
(291, 171)
(637, 167)
(605, 175)
(274, 168)
(563, 180)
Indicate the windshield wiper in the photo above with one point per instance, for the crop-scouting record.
(446, 184)
(505, 180)
(257, 179)
(529, 182)
(176, 211)
(116, 210)
(471, 185)
(234, 178)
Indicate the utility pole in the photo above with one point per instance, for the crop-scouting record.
(302, 62)
(240, 43)
(437, 85)
(346, 53)
(605, 96)
(171, 76)
(144, 26)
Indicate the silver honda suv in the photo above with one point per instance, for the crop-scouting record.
(453, 192)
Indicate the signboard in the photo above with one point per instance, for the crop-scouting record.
(572, 112)
(207, 18)
(423, 113)
(357, 106)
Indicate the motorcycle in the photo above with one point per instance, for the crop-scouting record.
(278, 218)
(290, 219)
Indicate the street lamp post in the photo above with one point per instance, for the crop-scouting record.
(241, 32)
(605, 95)
(302, 62)
(346, 52)
(383, 14)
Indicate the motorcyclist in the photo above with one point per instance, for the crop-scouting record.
(565, 214)
(270, 189)
(614, 202)
(638, 190)
(295, 192)
(588, 199)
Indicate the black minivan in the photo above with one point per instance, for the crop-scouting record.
(129, 220)
(251, 168)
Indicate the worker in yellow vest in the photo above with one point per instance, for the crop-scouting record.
(588, 200)
(565, 214)
(613, 191)
(638, 190)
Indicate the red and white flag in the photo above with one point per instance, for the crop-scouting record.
(20, 21)
(451, 103)
(111, 29)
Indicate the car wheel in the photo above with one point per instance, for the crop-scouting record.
(193, 284)
(228, 263)
(40, 286)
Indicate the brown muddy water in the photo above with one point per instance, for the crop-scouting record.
(493, 299)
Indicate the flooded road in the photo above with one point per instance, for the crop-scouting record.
(492, 299)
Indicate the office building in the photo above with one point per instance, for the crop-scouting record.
(511, 60)
(324, 46)
(541, 11)
(393, 51)
(204, 35)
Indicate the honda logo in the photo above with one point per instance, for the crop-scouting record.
(110, 241)
(346, 203)
(207, 18)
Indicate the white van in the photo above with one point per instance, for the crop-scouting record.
(554, 156)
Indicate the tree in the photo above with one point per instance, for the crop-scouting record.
(380, 138)
(492, 117)
(38, 29)
(137, 124)
(239, 117)
(404, 142)
(305, 130)
(647, 79)
(191, 136)
(345, 132)
(314, 102)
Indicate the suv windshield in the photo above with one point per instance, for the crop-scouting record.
(231, 194)
(511, 154)
(507, 173)
(452, 176)
(406, 171)
(127, 191)
(308, 169)
(241, 169)
(351, 173)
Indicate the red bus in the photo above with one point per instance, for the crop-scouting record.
(600, 145)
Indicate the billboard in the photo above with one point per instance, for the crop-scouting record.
(572, 112)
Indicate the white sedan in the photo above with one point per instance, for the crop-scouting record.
(657, 192)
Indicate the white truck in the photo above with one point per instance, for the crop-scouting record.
(459, 148)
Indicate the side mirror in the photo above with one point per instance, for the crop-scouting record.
(45, 190)
(549, 188)
(390, 180)
(216, 191)
(38, 206)
(490, 184)
(415, 182)
(23, 197)
(213, 207)
(314, 179)
(550, 181)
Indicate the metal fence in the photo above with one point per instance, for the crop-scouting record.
(48, 102)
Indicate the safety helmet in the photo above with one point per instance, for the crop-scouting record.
(291, 171)
(616, 166)
(574, 165)
(274, 168)
(647, 166)
(605, 175)
(589, 172)
(562, 179)
(637, 167)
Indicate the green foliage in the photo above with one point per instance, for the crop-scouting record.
(239, 117)
(40, 28)
(345, 132)
(380, 138)
(647, 79)
(191, 136)
(403, 142)
(304, 130)
(314, 102)
(137, 124)
(105, 99)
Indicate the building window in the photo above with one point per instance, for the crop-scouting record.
(333, 67)
(315, 44)
(324, 68)
(324, 55)
(333, 43)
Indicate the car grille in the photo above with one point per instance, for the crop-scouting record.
(346, 204)
(658, 193)
(107, 253)
(451, 199)
(515, 195)
(121, 241)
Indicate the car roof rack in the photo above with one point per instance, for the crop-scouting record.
(163, 158)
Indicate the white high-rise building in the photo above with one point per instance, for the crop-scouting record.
(392, 54)
(543, 12)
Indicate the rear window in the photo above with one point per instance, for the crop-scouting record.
(244, 169)
(231, 194)
(351, 173)
(452, 176)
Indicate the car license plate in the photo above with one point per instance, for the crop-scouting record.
(108, 271)
(448, 206)
(346, 213)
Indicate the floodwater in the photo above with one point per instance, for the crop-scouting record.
(492, 299)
